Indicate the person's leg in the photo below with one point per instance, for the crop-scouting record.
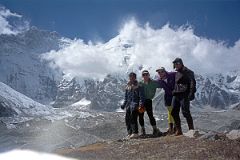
(128, 121)
(175, 113)
(141, 122)
(134, 124)
(149, 110)
(134, 121)
(170, 117)
(185, 105)
(170, 120)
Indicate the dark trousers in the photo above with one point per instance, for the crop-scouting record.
(131, 121)
(183, 103)
(148, 107)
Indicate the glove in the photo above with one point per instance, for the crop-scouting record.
(122, 106)
(141, 109)
(173, 93)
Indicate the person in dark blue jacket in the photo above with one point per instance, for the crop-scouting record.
(134, 97)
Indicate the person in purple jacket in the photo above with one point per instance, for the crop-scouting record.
(167, 82)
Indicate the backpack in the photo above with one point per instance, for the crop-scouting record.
(193, 87)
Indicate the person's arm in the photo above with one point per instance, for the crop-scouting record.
(125, 100)
(192, 85)
(157, 83)
(141, 96)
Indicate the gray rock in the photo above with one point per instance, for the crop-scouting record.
(234, 134)
(2, 126)
(237, 107)
(235, 125)
(5, 111)
(192, 134)
(210, 136)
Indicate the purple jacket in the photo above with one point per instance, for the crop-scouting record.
(168, 87)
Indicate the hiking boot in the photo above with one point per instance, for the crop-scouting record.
(127, 137)
(190, 124)
(156, 131)
(170, 130)
(143, 132)
(133, 136)
(174, 129)
(178, 131)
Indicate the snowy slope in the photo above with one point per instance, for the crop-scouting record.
(104, 95)
(15, 103)
(22, 67)
(217, 91)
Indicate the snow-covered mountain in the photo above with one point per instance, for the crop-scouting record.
(13, 103)
(21, 65)
(25, 71)
(219, 91)
(104, 95)
(216, 90)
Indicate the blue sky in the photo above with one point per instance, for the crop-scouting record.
(102, 19)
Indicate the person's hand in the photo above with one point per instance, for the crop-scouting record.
(191, 96)
(173, 93)
(141, 109)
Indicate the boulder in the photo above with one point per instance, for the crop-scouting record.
(234, 134)
(192, 134)
(237, 107)
(210, 136)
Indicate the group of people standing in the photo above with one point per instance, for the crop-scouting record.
(179, 88)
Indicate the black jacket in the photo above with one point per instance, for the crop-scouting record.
(185, 84)
(134, 96)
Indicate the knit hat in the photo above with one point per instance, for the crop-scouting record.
(132, 74)
(178, 60)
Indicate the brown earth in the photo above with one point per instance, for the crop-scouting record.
(169, 147)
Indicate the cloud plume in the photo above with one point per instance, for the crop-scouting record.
(137, 47)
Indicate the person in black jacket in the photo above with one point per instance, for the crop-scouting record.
(183, 93)
(134, 97)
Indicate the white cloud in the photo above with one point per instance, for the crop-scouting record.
(149, 48)
(85, 60)
(6, 27)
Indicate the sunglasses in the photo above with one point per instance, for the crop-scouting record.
(160, 71)
(146, 74)
(177, 63)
